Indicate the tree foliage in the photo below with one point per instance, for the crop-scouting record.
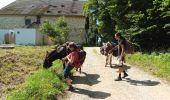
(100, 20)
(58, 31)
(147, 22)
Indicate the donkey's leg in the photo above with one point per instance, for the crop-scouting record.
(106, 60)
(80, 70)
(110, 60)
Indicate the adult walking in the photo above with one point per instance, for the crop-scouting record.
(121, 55)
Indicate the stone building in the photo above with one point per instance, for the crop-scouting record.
(23, 18)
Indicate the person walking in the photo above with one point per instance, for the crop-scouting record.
(121, 55)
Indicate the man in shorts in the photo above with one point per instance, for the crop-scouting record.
(121, 53)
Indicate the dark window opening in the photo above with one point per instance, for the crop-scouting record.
(27, 21)
(52, 6)
(55, 6)
(59, 11)
(74, 12)
(62, 6)
(38, 19)
(48, 11)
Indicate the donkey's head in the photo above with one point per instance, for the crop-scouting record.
(58, 53)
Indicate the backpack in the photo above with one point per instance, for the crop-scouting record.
(82, 56)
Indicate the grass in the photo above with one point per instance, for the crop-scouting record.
(43, 85)
(19, 63)
(157, 63)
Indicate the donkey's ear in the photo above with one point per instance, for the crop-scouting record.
(47, 53)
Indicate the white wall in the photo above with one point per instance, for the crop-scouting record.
(23, 36)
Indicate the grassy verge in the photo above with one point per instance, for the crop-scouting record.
(19, 63)
(42, 85)
(157, 63)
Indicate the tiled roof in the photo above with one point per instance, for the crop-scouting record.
(44, 7)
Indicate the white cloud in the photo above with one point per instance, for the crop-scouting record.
(5, 2)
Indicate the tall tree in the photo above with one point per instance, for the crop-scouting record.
(147, 22)
(100, 20)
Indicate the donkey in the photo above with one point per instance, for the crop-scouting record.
(59, 53)
(105, 51)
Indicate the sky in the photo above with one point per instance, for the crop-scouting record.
(5, 2)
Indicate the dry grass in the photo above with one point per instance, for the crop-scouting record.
(16, 64)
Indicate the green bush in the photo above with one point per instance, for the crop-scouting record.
(42, 85)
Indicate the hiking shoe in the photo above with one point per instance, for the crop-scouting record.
(118, 79)
(125, 75)
(70, 88)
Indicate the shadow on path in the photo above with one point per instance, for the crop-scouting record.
(89, 79)
(142, 83)
(92, 94)
(115, 66)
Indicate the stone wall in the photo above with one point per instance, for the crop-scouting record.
(76, 25)
(11, 22)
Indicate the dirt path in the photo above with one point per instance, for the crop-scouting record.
(97, 82)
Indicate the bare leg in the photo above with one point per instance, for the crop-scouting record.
(69, 81)
(122, 69)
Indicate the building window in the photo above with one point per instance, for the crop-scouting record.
(27, 21)
(48, 11)
(62, 5)
(60, 11)
(74, 12)
(38, 19)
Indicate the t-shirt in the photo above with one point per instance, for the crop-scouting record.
(122, 41)
(74, 59)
